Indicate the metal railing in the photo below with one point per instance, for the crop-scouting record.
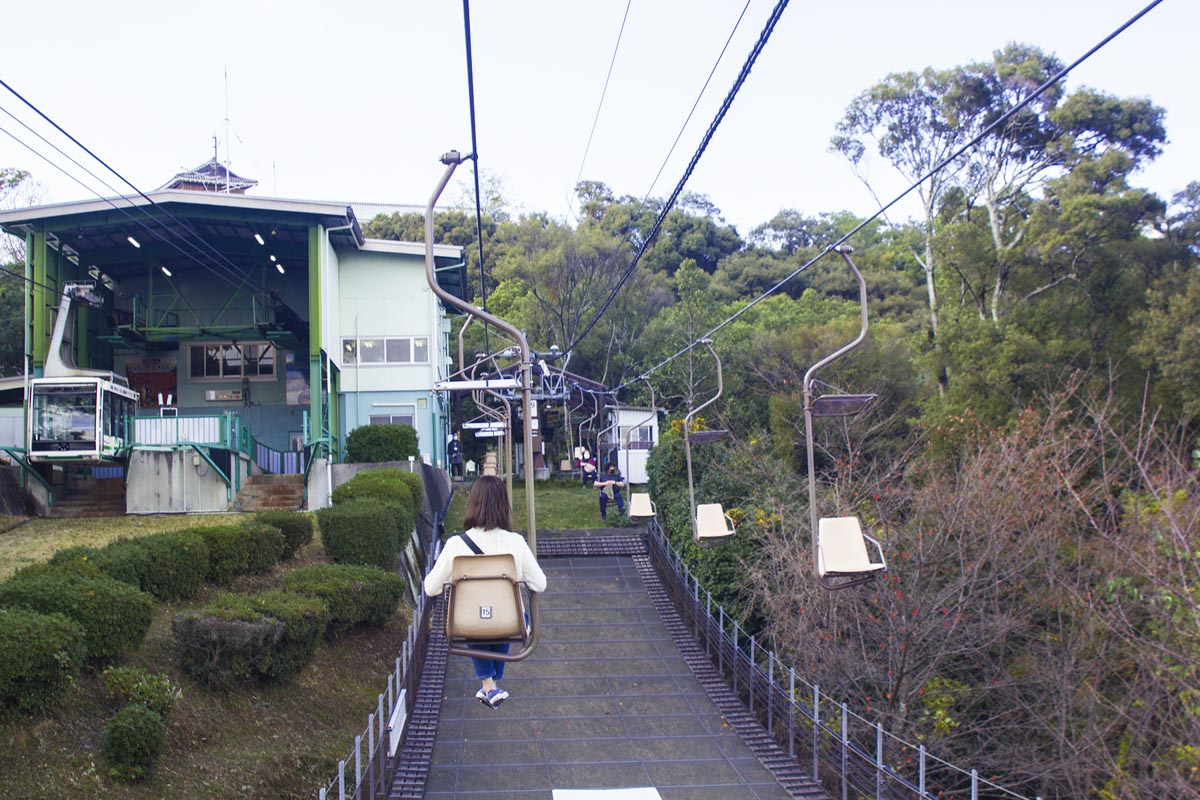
(841, 748)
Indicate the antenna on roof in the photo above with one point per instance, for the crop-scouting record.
(228, 161)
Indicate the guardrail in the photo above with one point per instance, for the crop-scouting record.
(841, 748)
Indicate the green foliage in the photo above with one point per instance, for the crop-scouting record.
(135, 685)
(228, 551)
(371, 444)
(396, 489)
(296, 526)
(114, 616)
(354, 595)
(124, 560)
(133, 742)
(176, 564)
(361, 532)
(270, 635)
(266, 547)
(40, 654)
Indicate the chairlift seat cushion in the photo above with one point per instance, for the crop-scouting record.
(640, 506)
(842, 548)
(840, 405)
(712, 522)
(485, 600)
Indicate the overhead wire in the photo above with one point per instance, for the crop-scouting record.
(475, 160)
(603, 93)
(231, 268)
(123, 210)
(763, 38)
(998, 122)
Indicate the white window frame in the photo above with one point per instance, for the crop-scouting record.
(386, 351)
(222, 359)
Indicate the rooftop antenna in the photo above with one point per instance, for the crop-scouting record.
(227, 159)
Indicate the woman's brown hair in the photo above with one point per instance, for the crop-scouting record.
(487, 505)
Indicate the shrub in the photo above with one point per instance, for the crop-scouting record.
(388, 487)
(354, 595)
(296, 526)
(228, 551)
(271, 634)
(177, 564)
(124, 560)
(114, 615)
(360, 532)
(80, 559)
(135, 685)
(133, 742)
(374, 443)
(40, 654)
(266, 546)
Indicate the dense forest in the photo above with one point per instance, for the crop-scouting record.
(1030, 465)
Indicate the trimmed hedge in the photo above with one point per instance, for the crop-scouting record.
(228, 551)
(177, 565)
(390, 487)
(374, 443)
(296, 526)
(135, 685)
(114, 615)
(125, 560)
(266, 547)
(40, 654)
(354, 595)
(360, 532)
(133, 742)
(271, 634)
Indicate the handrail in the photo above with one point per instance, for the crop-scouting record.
(18, 454)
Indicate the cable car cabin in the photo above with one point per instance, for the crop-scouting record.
(79, 419)
(712, 525)
(485, 605)
(842, 558)
(641, 506)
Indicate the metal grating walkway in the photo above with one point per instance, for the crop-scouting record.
(615, 696)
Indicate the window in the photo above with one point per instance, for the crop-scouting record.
(392, 419)
(386, 350)
(254, 360)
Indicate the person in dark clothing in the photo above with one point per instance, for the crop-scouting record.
(454, 452)
(612, 481)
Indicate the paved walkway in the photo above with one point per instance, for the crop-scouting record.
(605, 702)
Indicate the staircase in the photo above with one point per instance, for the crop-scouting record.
(271, 493)
(94, 498)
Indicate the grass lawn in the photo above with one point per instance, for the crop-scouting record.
(560, 505)
(258, 741)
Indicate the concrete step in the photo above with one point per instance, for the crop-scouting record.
(271, 493)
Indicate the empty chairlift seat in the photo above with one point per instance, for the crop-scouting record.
(712, 524)
(641, 506)
(842, 549)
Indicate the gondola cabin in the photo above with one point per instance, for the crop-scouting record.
(79, 419)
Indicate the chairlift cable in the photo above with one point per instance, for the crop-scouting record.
(475, 158)
(946, 162)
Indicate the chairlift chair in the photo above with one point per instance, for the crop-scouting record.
(839, 545)
(485, 605)
(641, 506)
(710, 524)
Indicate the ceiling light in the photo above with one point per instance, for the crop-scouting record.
(273, 258)
(165, 271)
(133, 241)
(93, 271)
(280, 268)
(258, 238)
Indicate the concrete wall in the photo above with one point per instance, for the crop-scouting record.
(171, 482)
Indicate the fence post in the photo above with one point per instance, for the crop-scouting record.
(696, 606)
(342, 779)
(816, 728)
(357, 762)
(708, 623)
(792, 713)
(974, 785)
(770, 691)
(845, 746)
(733, 654)
(921, 771)
(720, 636)
(878, 760)
(371, 759)
(751, 676)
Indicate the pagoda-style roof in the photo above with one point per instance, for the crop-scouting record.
(211, 176)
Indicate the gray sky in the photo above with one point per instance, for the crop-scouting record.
(355, 100)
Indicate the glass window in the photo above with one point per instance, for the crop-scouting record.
(420, 348)
(370, 351)
(349, 351)
(231, 361)
(398, 351)
(392, 419)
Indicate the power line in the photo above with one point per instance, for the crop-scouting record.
(1001, 120)
(232, 268)
(763, 37)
